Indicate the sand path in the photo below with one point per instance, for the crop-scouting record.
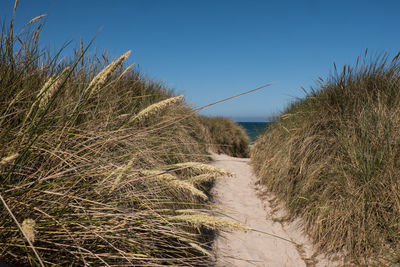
(238, 198)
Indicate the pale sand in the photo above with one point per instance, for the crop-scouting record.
(238, 198)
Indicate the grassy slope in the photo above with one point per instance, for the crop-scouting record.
(226, 136)
(333, 158)
(88, 163)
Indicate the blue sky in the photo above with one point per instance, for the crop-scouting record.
(210, 50)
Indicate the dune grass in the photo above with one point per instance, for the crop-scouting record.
(227, 136)
(95, 162)
(333, 158)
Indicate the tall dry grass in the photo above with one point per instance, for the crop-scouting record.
(91, 160)
(333, 158)
(227, 136)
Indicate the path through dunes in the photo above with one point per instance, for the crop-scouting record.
(237, 196)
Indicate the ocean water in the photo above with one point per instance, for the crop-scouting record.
(254, 129)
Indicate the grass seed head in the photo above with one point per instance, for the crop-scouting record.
(36, 18)
(202, 250)
(121, 173)
(50, 87)
(100, 79)
(127, 70)
(174, 182)
(210, 222)
(203, 168)
(154, 108)
(202, 178)
(8, 159)
(28, 226)
(188, 188)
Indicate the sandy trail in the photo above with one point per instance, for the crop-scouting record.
(237, 196)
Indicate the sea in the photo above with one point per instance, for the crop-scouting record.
(254, 129)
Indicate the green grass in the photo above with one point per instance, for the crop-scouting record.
(333, 158)
(89, 162)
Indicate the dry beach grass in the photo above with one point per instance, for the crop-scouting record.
(227, 137)
(91, 160)
(333, 158)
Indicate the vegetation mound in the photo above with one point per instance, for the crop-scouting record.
(98, 165)
(227, 136)
(333, 158)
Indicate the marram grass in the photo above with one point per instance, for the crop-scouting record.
(8, 159)
(202, 168)
(100, 79)
(198, 180)
(156, 107)
(50, 87)
(333, 158)
(227, 136)
(28, 226)
(81, 183)
(211, 222)
(175, 183)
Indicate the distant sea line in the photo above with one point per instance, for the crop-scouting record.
(254, 129)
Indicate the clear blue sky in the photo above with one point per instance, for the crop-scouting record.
(211, 50)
